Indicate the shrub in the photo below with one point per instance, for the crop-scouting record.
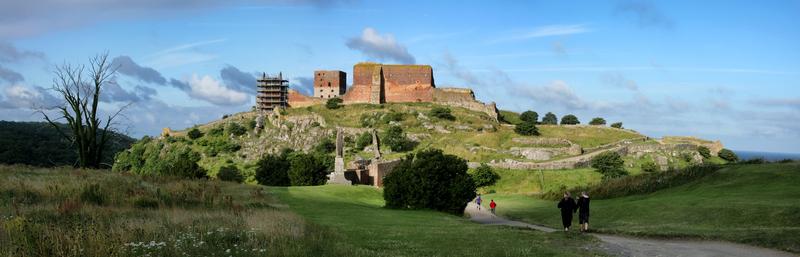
(251, 124)
(236, 130)
(395, 139)
(307, 170)
(569, 119)
(526, 129)
(364, 140)
(314, 124)
(610, 164)
(441, 113)
(325, 146)
(598, 121)
(754, 160)
(616, 125)
(688, 157)
(550, 118)
(705, 152)
(433, 180)
(224, 116)
(485, 176)
(194, 134)
(273, 170)
(728, 155)
(649, 166)
(333, 103)
(186, 168)
(529, 116)
(393, 116)
(230, 173)
(216, 131)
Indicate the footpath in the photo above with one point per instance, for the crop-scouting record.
(627, 246)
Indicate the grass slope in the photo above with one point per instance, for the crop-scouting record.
(367, 229)
(750, 204)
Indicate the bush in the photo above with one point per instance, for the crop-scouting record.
(194, 134)
(364, 140)
(529, 116)
(485, 176)
(610, 164)
(393, 116)
(598, 121)
(616, 125)
(395, 139)
(550, 118)
(649, 166)
(251, 124)
(307, 170)
(325, 146)
(186, 168)
(728, 155)
(688, 157)
(273, 170)
(705, 152)
(333, 103)
(569, 119)
(526, 129)
(236, 130)
(216, 131)
(230, 173)
(441, 113)
(225, 116)
(433, 180)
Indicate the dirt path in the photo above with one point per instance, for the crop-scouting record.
(625, 246)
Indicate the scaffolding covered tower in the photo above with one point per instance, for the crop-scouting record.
(271, 92)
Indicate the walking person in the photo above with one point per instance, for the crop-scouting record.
(478, 201)
(567, 206)
(492, 205)
(583, 215)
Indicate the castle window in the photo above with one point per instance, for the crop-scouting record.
(329, 84)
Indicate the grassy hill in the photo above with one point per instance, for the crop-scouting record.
(749, 204)
(39, 144)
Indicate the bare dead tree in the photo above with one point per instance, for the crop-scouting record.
(81, 97)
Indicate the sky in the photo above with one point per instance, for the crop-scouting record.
(719, 70)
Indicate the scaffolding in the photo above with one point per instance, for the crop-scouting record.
(271, 92)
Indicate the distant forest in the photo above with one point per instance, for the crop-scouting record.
(39, 144)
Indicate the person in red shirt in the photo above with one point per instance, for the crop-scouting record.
(492, 205)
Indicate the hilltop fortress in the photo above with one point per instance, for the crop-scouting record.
(377, 83)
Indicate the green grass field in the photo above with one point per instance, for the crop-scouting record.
(367, 229)
(751, 204)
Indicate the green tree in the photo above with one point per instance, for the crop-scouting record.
(273, 169)
(441, 113)
(728, 155)
(236, 130)
(485, 176)
(433, 180)
(649, 166)
(326, 145)
(87, 132)
(364, 140)
(194, 133)
(550, 118)
(529, 116)
(569, 119)
(252, 124)
(616, 125)
(333, 103)
(395, 139)
(704, 151)
(187, 169)
(598, 121)
(610, 164)
(307, 170)
(526, 129)
(230, 173)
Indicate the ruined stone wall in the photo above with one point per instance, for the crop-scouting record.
(541, 154)
(624, 141)
(298, 100)
(514, 165)
(715, 147)
(549, 141)
(357, 94)
(378, 170)
(408, 75)
(463, 97)
(329, 84)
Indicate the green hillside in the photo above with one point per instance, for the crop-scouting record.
(749, 204)
(39, 144)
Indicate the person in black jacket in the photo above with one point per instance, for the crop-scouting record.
(583, 215)
(567, 206)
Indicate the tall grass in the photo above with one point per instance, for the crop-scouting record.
(65, 211)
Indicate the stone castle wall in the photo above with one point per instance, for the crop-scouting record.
(378, 170)
(298, 100)
(465, 98)
(715, 147)
(329, 83)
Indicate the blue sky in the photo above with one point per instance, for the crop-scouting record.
(720, 70)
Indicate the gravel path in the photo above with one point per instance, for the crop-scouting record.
(626, 246)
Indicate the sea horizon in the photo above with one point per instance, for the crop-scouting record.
(770, 156)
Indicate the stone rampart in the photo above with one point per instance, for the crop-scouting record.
(298, 100)
(515, 165)
(544, 141)
(714, 147)
(465, 98)
(624, 141)
(379, 169)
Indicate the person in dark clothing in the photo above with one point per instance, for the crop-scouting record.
(583, 215)
(567, 206)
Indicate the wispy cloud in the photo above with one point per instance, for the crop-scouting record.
(654, 68)
(552, 30)
(181, 47)
(792, 102)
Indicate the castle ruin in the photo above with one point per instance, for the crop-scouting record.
(329, 83)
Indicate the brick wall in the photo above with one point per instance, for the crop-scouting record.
(329, 83)
(298, 100)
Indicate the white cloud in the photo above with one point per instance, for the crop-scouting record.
(617, 80)
(211, 90)
(556, 92)
(679, 105)
(552, 30)
(380, 47)
(24, 97)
